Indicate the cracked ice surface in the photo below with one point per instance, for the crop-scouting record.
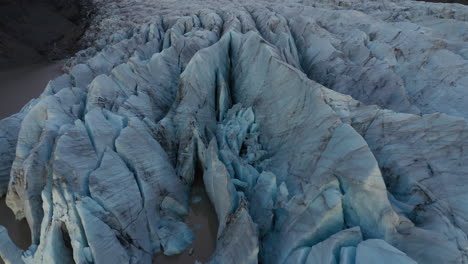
(326, 131)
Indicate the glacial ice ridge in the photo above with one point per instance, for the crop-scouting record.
(326, 132)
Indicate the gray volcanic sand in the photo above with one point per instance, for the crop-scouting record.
(21, 84)
(33, 31)
(18, 86)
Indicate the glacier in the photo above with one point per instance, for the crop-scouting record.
(328, 131)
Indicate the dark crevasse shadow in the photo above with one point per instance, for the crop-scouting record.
(203, 221)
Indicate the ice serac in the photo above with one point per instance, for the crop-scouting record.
(407, 148)
(219, 186)
(123, 201)
(323, 132)
(239, 241)
(315, 211)
(9, 129)
(373, 250)
(39, 129)
(329, 250)
(155, 177)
